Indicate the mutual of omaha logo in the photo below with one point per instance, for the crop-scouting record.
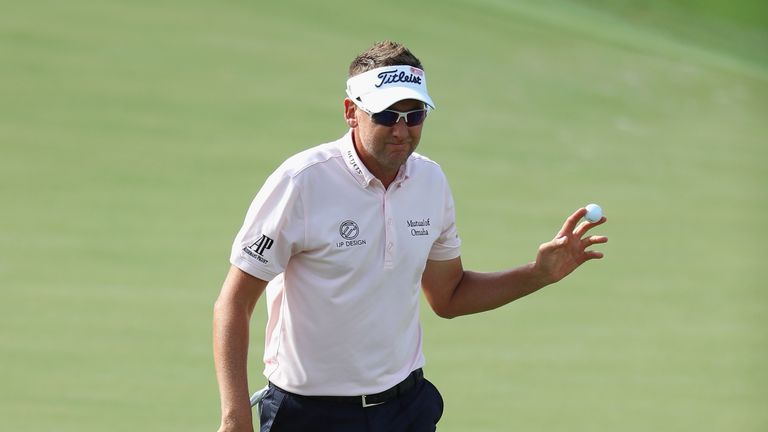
(258, 247)
(349, 230)
(418, 227)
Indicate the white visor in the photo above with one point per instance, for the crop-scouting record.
(380, 88)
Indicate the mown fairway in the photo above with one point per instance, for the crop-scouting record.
(133, 136)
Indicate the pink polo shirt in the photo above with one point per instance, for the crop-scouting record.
(344, 259)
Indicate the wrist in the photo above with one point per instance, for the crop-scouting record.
(236, 419)
(539, 277)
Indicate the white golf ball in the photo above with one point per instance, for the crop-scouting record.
(594, 213)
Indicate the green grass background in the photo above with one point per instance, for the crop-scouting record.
(134, 134)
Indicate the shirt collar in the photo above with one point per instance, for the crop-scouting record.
(404, 173)
(358, 169)
(353, 162)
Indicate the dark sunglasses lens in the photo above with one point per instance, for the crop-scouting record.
(385, 118)
(389, 118)
(416, 118)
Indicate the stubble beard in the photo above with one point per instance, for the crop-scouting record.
(392, 160)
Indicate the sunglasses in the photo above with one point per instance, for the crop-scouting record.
(390, 118)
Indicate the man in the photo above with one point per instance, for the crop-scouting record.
(342, 237)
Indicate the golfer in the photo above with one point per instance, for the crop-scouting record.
(343, 237)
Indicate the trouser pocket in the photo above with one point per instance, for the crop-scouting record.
(270, 406)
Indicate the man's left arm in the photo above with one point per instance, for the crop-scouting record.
(452, 291)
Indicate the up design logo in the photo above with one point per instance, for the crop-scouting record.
(349, 230)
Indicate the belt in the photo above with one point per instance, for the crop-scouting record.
(370, 400)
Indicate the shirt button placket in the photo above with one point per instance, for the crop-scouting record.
(389, 235)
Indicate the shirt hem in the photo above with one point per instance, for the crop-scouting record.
(245, 265)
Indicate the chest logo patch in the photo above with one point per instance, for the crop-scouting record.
(349, 230)
(418, 227)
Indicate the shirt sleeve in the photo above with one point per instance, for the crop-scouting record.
(273, 230)
(448, 245)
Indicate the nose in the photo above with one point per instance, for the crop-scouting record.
(400, 129)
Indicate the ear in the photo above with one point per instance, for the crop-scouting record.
(350, 113)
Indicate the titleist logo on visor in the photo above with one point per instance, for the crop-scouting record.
(393, 76)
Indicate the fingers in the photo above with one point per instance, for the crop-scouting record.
(586, 226)
(570, 223)
(585, 242)
(590, 255)
(589, 241)
(593, 240)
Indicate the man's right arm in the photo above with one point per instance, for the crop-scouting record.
(231, 318)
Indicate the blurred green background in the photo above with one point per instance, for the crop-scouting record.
(133, 135)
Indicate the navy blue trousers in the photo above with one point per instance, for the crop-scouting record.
(418, 410)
